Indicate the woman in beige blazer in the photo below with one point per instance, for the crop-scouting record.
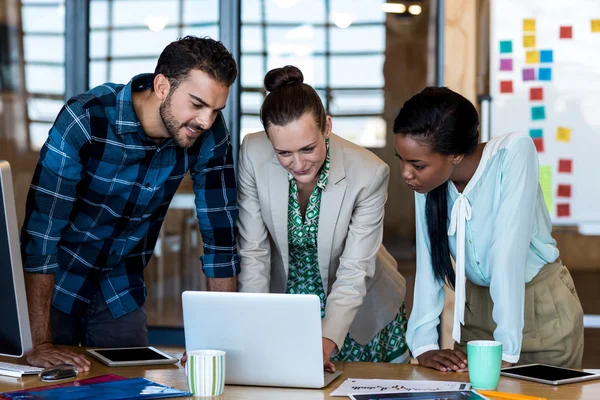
(311, 221)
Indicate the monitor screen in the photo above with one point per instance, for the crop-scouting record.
(15, 334)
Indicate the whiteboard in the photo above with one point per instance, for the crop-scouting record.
(562, 112)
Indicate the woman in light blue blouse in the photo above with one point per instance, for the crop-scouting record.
(481, 206)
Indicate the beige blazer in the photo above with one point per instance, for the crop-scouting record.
(364, 288)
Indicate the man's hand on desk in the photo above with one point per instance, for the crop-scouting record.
(222, 284)
(184, 359)
(46, 355)
(328, 348)
(444, 360)
(506, 364)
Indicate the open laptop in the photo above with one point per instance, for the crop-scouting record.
(269, 339)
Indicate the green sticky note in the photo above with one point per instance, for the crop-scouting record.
(546, 184)
(506, 46)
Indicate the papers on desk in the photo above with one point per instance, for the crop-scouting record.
(370, 386)
(464, 395)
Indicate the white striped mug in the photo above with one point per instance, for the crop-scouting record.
(205, 370)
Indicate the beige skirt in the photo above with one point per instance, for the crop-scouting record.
(553, 330)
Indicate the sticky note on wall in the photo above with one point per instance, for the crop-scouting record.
(506, 46)
(538, 113)
(528, 41)
(536, 93)
(596, 25)
(563, 210)
(546, 56)
(546, 184)
(565, 165)
(563, 190)
(532, 57)
(545, 74)
(506, 87)
(566, 32)
(536, 133)
(539, 144)
(506, 64)
(529, 74)
(563, 134)
(529, 25)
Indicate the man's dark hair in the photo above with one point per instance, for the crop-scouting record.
(191, 52)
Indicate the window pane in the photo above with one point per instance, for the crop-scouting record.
(201, 31)
(44, 79)
(200, 11)
(364, 131)
(98, 73)
(43, 19)
(359, 10)
(358, 38)
(98, 14)
(252, 71)
(249, 124)
(357, 102)
(251, 39)
(251, 102)
(44, 48)
(301, 11)
(299, 40)
(38, 133)
(370, 67)
(141, 42)
(43, 109)
(142, 12)
(98, 44)
(313, 68)
(123, 70)
(251, 10)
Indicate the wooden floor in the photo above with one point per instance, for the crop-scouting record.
(167, 312)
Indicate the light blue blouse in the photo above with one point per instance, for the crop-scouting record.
(500, 236)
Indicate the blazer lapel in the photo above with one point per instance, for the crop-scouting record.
(278, 196)
(331, 204)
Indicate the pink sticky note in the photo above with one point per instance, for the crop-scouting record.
(528, 74)
(506, 64)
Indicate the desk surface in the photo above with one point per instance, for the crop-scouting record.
(174, 375)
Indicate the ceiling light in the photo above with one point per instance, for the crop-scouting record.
(414, 9)
(396, 8)
(342, 20)
(156, 24)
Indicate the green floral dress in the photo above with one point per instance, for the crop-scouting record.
(304, 277)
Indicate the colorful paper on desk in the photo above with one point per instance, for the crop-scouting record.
(370, 386)
(464, 395)
(135, 388)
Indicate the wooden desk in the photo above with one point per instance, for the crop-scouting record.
(174, 375)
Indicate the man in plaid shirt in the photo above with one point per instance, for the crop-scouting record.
(106, 175)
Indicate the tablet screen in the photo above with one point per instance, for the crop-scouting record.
(135, 354)
(546, 372)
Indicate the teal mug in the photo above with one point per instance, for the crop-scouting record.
(485, 361)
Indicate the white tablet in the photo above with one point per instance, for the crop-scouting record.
(548, 374)
(126, 356)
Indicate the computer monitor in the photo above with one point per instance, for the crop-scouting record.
(15, 332)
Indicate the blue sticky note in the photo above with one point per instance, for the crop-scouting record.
(506, 46)
(546, 56)
(545, 74)
(536, 133)
(538, 113)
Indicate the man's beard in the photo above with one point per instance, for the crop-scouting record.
(173, 126)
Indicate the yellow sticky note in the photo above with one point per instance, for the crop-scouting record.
(563, 134)
(532, 57)
(596, 25)
(546, 184)
(529, 25)
(529, 41)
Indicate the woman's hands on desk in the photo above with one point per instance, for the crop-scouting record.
(328, 348)
(444, 360)
(46, 355)
(184, 359)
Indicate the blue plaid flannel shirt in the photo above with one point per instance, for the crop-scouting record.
(100, 193)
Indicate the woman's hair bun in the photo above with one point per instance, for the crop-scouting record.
(282, 76)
